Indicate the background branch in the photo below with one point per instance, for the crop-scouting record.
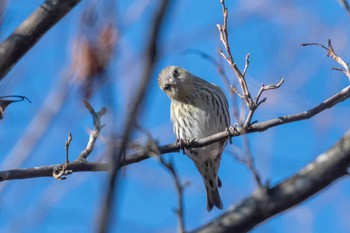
(180, 191)
(31, 30)
(117, 157)
(327, 168)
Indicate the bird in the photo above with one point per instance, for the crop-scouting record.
(198, 109)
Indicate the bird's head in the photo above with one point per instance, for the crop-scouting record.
(174, 81)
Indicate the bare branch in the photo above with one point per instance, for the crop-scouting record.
(257, 101)
(180, 190)
(151, 54)
(5, 101)
(326, 169)
(346, 5)
(63, 172)
(249, 161)
(245, 94)
(331, 53)
(47, 171)
(237, 130)
(96, 132)
(70, 138)
(246, 65)
(31, 30)
(175, 147)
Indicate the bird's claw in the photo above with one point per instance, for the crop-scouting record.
(228, 132)
(183, 143)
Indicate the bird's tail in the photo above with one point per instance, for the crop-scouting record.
(209, 170)
(213, 198)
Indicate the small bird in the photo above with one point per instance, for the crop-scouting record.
(198, 109)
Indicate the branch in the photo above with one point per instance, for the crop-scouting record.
(151, 54)
(5, 101)
(245, 95)
(145, 154)
(48, 171)
(327, 168)
(31, 30)
(96, 132)
(180, 190)
(237, 131)
(331, 53)
(346, 5)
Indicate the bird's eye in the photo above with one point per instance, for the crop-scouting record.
(175, 72)
(167, 87)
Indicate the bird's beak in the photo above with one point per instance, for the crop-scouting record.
(170, 82)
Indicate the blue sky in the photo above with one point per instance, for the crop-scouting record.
(271, 31)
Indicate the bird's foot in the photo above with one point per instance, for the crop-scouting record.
(184, 143)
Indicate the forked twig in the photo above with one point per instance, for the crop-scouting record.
(96, 118)
(241, 76)
(331, 53)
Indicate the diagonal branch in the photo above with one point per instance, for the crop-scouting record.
(346, 5)
(96, 132)
(325, 170)
(31, 30)
(237, 131)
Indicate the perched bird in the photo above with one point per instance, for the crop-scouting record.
(198, 109)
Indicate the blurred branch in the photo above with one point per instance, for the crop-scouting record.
(346, 5)
(31, 30)
(180, 190)
(249, 162)
(118, 156)
(326, 169)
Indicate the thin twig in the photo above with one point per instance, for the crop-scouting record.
(249, 162)
(241, 76)
(70, 138)
(20, 98)
(96, 118)
(62, 172)
(246, 65)
(245, 95)
(180, 190)
(331, 53)
(257, 102)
